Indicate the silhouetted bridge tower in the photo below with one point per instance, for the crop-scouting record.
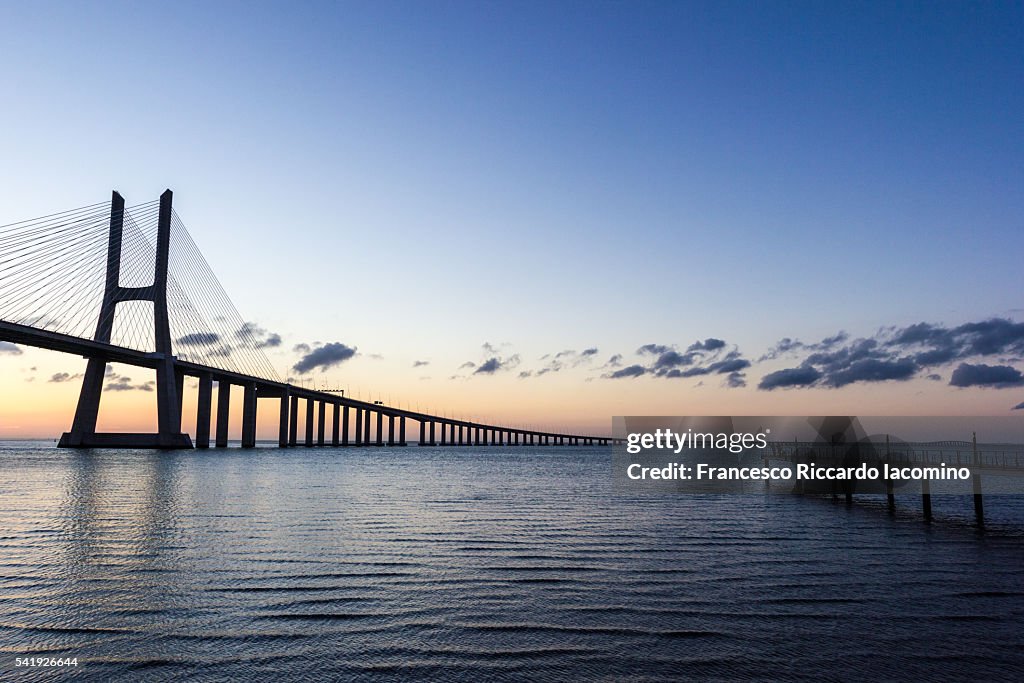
(59, 292)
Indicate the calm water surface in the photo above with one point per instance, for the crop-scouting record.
(481, 564)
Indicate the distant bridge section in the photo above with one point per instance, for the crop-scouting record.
(128, 285)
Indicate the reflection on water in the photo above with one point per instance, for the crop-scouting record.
(480, 564)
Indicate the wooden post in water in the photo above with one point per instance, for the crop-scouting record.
(889, 493)
(926, 499)
(979, 506)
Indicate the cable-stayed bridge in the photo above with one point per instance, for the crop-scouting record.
(119, 284)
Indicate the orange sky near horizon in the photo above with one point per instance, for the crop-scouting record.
(32, 406)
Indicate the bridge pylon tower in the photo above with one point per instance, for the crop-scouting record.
(168, 380)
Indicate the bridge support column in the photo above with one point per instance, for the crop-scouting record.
(336, 424)
(444, 434)
(401, 431)
(223, 411)
(309, 422)
(380, 428)
(423, 436)
(359, 427)
(391, 430)
(366, 427)
(293, 422)
(321, 423)
(433, 442)
(203, 410)
(344, 425)
(282, 427)
(249, 416)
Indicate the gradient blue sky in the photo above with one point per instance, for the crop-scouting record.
(417, 179)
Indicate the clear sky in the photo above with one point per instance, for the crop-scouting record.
(416, 180)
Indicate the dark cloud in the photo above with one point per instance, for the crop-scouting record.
(59, 377)
(980, 375)
(118, 382)
(272, 340)
(589, 352)
(489, 366)
(199, 339)
(259, 336)
(903, 353)
(1019, 406)
(731, 363)
(524, 374)
(709, 344)
(324, 357)
(736, 380)
(787, 346)
(653, 349)
(790, 377)
(7, 348)
(873, 370)
(630, 371)
(302, 348)
(420, 363)
(705, 357)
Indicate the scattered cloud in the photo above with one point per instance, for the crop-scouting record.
(420, 363)
(629, 371)
(9, 349)
(900, 354)
(323, 357)
(260, 337)
(703, 357)
(980, 375)
(59, 377)
(116, 382)
(790, 377)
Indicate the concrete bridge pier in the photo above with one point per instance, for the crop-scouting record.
(203, 410)
(367, 439)
(321, 423)
(380, 428)
(344, 426)
(401, 431)
(335, 424)
(249, 416)
(223, 408)
(444, 433)
(423, 433)
(391, 429)
(432, 441)
(282, 429)
(358, 436)
(293, 422)
(310, 404)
